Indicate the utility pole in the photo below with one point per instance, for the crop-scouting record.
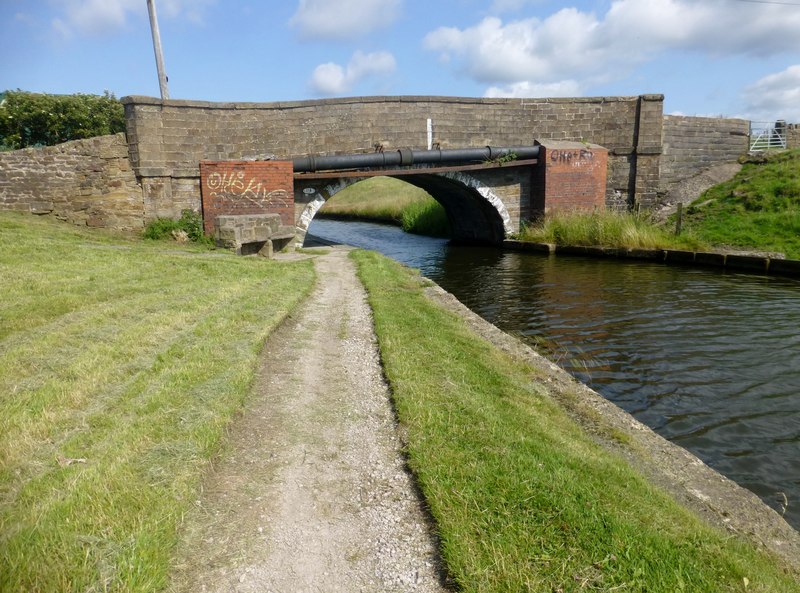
(162, 77)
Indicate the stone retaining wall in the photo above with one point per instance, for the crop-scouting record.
(694, 144)
(86, 182)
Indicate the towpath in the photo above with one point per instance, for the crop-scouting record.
(311, 493)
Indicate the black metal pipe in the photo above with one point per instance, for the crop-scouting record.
(406, 157)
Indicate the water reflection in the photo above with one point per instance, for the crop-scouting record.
(709, 360)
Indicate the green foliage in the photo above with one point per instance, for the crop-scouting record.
(190, 222)
(758, 209)
(425, 218)
(35, 119)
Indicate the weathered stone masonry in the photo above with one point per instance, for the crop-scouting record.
(86, 182)
(169, 138)
(693, 144)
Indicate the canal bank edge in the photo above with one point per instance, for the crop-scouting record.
(717, 499)
(740, 262)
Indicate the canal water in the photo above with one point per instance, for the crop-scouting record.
(708, 359)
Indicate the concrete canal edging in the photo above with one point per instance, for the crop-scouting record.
(717, 499)
(733, 261)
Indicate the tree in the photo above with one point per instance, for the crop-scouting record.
(36, 119)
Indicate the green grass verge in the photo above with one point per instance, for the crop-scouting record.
(609, 229)
(121, 364)
(523, 499)
(758, 209)
(385, 199)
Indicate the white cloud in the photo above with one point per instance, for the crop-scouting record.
(511, 5)
(333, 79)
(343, 19)
(562, 88)
(572, 49)
(99, 17)
(776, 96)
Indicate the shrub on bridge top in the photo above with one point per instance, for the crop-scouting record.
(36, 119)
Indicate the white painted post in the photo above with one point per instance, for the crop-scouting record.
(430, 133)
(162, 77)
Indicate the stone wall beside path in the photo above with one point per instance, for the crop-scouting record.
(86, 182)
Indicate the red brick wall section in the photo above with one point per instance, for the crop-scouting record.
(571, 176)
(246, 187)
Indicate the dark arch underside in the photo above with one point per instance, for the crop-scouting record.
(472, 218)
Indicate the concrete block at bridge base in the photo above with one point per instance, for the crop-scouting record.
(569, 176)
(252, 233)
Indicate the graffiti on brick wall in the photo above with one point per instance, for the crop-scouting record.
(574, 157)
(236, 191)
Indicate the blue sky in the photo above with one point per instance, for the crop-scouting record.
(737, 58)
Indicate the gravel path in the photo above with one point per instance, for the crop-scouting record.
(312, 493)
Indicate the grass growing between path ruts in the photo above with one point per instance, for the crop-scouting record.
(523, 500)
(607, 229)
(385, 199)
(121, 364)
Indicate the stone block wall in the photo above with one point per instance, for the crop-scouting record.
(168, 139)
(793, 136)
(693, 144)
(86, 182)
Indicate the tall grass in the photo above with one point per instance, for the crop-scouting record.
(121, 364)
(606, 228)
(523, 499)
(426, 218)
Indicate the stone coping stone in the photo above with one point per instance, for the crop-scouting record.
(748, 263)
(241, 105)
(785, 267)
(652, 254)
(703, 258)
(678, 256)
(526, 246)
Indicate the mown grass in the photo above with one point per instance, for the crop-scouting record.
(758, 209)
(608, 229)
(389, 200)
(121, 364)
(523, 500)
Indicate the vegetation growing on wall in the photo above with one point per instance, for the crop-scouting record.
(36, 119)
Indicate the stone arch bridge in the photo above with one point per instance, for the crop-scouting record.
(253, 146)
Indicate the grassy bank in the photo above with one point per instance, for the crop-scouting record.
(613, 229)
(121, 364)
(384, 199)
(523, 499)
(758, 209)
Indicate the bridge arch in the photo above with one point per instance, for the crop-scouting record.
(475, 212)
